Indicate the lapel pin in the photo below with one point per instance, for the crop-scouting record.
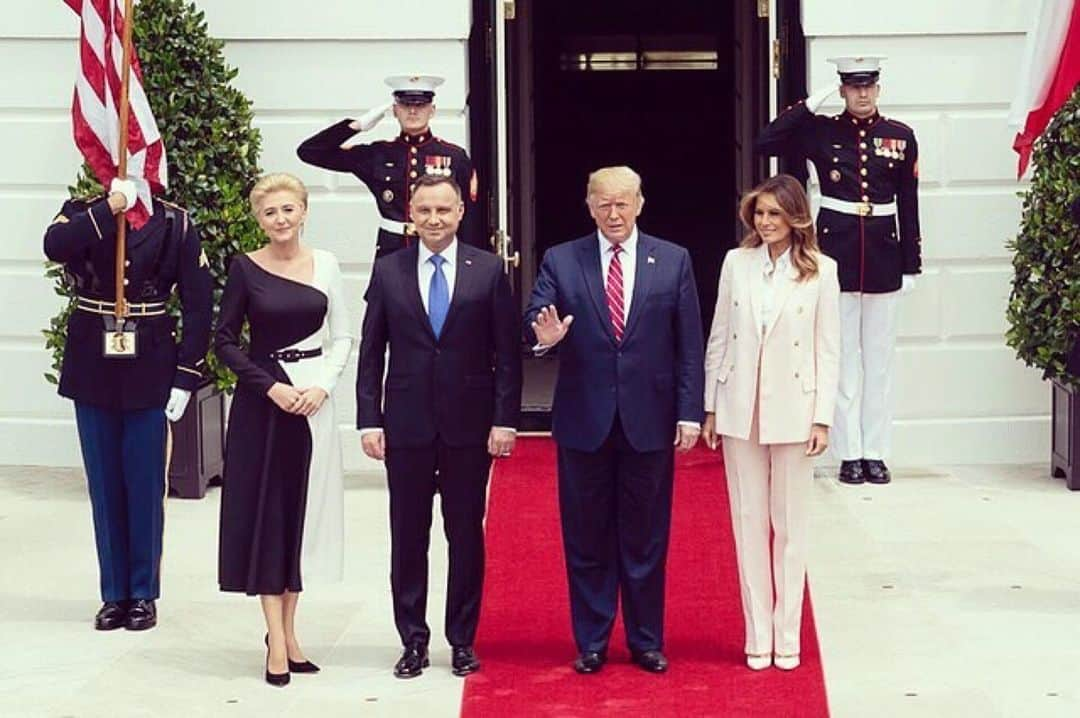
(651, 260)
(468, 262)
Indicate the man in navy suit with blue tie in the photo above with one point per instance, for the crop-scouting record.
(453, 393)
(630, 391)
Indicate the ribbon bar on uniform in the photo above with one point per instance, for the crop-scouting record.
(860, 209)
(295, 355)
(134, 309)
(392, 225)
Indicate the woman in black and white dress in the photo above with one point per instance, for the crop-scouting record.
(282, 500)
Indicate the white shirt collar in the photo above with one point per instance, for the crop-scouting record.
(782, 265)
(449, 254)
(629, 246)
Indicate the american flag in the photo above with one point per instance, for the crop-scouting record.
(95, 109)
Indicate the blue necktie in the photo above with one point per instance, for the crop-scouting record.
(438, 295)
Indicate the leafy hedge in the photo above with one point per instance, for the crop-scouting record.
(210, 144)
(1044, 306)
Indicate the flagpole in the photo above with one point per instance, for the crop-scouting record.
(121, 169)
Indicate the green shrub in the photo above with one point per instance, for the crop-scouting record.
(1044, 305)
(210, 145)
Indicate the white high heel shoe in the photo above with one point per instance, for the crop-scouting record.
(758, 661)
(786, 663)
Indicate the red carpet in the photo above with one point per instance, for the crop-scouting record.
(525, 641)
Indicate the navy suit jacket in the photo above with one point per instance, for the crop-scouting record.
(655, 377)
(456, 386)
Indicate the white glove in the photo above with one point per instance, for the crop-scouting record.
(125, 187)
(909, 284)
(817, 99)
(371, 118)
(178, 401)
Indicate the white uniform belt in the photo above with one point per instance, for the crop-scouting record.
(861, 209)
(134, 309)
(392, 225)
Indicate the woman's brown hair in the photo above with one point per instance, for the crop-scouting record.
(791, 197)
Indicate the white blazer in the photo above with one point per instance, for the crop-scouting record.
(797, 357)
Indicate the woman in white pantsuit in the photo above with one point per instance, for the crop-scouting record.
(771, 372)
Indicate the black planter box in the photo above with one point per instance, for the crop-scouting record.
(1065, 435)
(198, 444)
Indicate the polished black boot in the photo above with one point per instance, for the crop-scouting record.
(876, 471)
(851, 472)
(590, 662)
(651, 661)
(111, 615)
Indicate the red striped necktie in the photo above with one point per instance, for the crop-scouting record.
(615, 293)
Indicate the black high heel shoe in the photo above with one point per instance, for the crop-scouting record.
(274, 679)
(296, 666)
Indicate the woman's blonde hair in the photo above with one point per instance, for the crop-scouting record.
(794, 205)
(277, 182)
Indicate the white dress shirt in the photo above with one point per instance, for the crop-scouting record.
(770, 271)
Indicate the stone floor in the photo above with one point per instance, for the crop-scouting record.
(947, 593)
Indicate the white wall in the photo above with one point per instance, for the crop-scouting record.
(303, 65)
(950, 74)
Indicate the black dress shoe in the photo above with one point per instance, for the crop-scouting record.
(590, 662)
(851, 472)
(876, 471)
(141, 615)
(111, 615)
(463, 661)
(651, 661)
(413, 661)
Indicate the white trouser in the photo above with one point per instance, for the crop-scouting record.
(863, 425)
(769, 486)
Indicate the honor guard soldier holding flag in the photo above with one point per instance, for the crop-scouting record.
(122, 364)
(390, 168)
(868, 167)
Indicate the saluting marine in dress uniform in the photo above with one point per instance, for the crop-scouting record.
(390, 168)
(868, 167)
(126, 380)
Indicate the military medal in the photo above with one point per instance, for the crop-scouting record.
(438, 165)
(388, 195)
(834, 175)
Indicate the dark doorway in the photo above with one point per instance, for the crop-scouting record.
(642, 83)
(675, 89)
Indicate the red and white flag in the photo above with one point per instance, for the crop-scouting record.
(1049, 72)
(95, 111)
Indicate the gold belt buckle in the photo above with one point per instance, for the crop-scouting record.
(864, 209)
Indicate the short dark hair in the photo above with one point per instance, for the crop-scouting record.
(434, 181)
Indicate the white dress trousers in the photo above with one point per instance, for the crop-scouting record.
(862, 428)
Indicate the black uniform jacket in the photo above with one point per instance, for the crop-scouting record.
(389, 168)
(163, 254)
(457, 386)
(874, 160)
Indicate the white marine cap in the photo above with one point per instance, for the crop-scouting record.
(858, 69)
(414, 89)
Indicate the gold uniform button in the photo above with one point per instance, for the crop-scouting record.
(864, 186)
(126, 281)
(864, 158)
(414, 150)
(413, 174)
(127, 262)
(865, 198)
(862, 145)
(414, 161)
(863, 171)
(862, 133)
(825, 230)
(835, 159)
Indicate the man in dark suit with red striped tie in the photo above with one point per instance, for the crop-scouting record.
(630, 390)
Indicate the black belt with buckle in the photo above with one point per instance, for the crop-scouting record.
(295, 355)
